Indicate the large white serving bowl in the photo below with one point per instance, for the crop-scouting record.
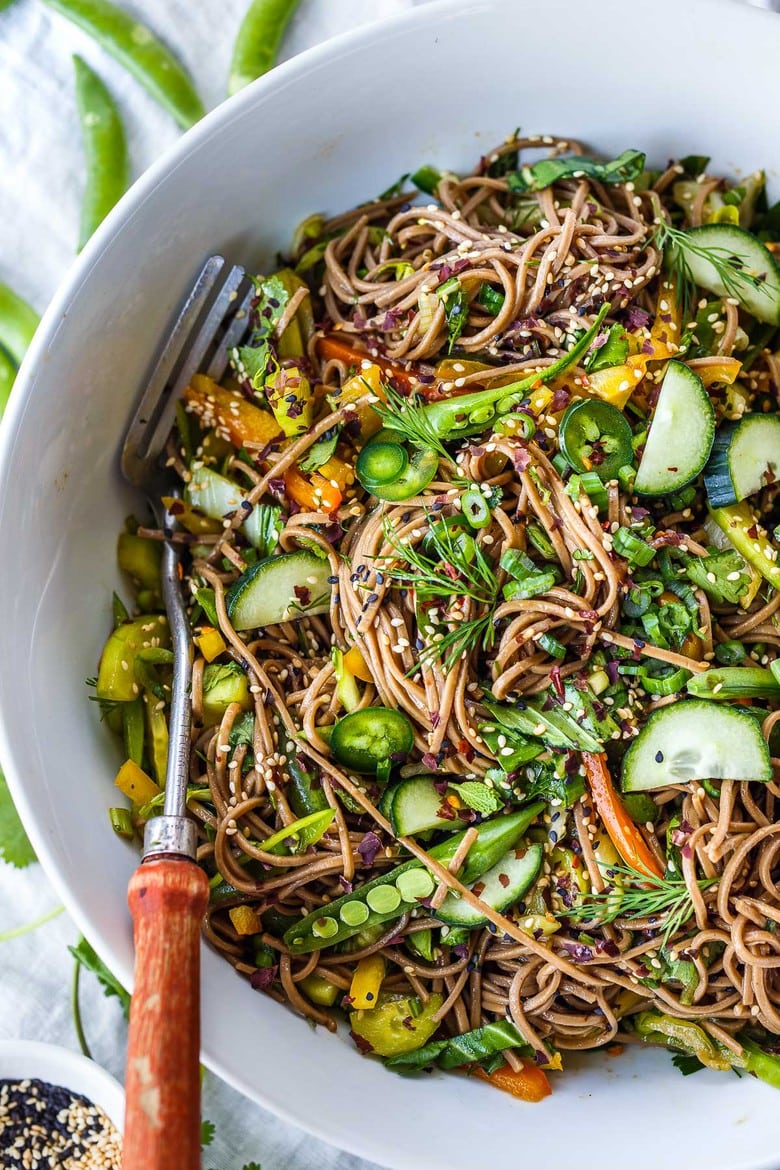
(325, 131)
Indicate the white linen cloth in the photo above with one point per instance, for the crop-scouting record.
(41, 178)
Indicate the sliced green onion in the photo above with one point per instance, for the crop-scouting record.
(531, 585)
(731, 653)
(664, 684)
(632, 547)
(491, 299)
(561, 464)
(475, 508)
(626, 476)
(541, 541)
(551, 645)
(594, 488)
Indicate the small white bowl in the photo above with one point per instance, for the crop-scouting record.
(29, 1060)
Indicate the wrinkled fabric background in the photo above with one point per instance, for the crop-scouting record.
(41, 179)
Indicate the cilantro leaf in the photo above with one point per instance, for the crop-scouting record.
(207, 1131)
(252, 361)
(91, 961)
(15, 847)
(478, 796)
(612, 351)
(713, 574)
(320, 452)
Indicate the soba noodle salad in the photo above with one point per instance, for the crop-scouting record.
(479, 539)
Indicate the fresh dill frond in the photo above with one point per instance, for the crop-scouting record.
(106, 705)
(408, 418)
(453, 567)
(638, 896)
(678, 247)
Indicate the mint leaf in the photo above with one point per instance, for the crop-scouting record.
(478, 796)
(91, 961)
(207, 1131)
(15, 847)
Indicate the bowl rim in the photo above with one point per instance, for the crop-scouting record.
(62, 1066)
(290, 71)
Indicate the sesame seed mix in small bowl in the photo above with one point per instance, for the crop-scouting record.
(57, 1109)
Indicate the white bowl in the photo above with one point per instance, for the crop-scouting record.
(326, 131)
(23, 1059)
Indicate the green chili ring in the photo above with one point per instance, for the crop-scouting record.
(367, 738)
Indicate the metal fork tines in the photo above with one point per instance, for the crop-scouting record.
(213, 319)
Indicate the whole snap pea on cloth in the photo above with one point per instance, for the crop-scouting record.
(41, 186)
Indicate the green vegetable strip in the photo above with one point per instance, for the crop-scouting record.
(259, 39)
(141, 53)
(18, 322)
(105, 148)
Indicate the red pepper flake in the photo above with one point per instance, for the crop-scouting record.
(504, 879)
(478, 889)
(752, 532)
(362, 1044)
(465, 749)
(557, 681)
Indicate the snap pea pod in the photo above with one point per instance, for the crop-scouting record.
(142, 54)
(7, 377)
(105, 148)
(18, 322)
(258, 41)
(474, 413)
(390, 895)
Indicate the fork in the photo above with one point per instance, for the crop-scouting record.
(168, 893)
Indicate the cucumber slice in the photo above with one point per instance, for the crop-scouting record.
(736, 251)
(501, 887)
(696, 740)
(280, 589)
(745, 457)
(681, 434)
(216, 496)
(413, 807)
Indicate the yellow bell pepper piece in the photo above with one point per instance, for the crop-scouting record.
(534, 924)
(290, 397)
(210, 643)
(726, 370)
(245, 920)
(617, 383)
(367, 981)
(368, 380)
(356, 664)
(133, 782)
(233, 417)
(667, 327)
(335, 470)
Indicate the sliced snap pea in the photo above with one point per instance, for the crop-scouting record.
(18, 322)
(105, 148)
(258, 41)
(142, 54)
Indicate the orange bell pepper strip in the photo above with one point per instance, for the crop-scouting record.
(529, 1083)
(316, 494)
(623, 833)
(230, 414)
(334, 348)
(357, 665)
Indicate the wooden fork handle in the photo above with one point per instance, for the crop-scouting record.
(167, 898)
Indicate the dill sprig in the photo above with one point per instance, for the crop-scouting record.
(455, 568)
(106, 705)
(642, 896)
(408, 418)
(678, 246)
